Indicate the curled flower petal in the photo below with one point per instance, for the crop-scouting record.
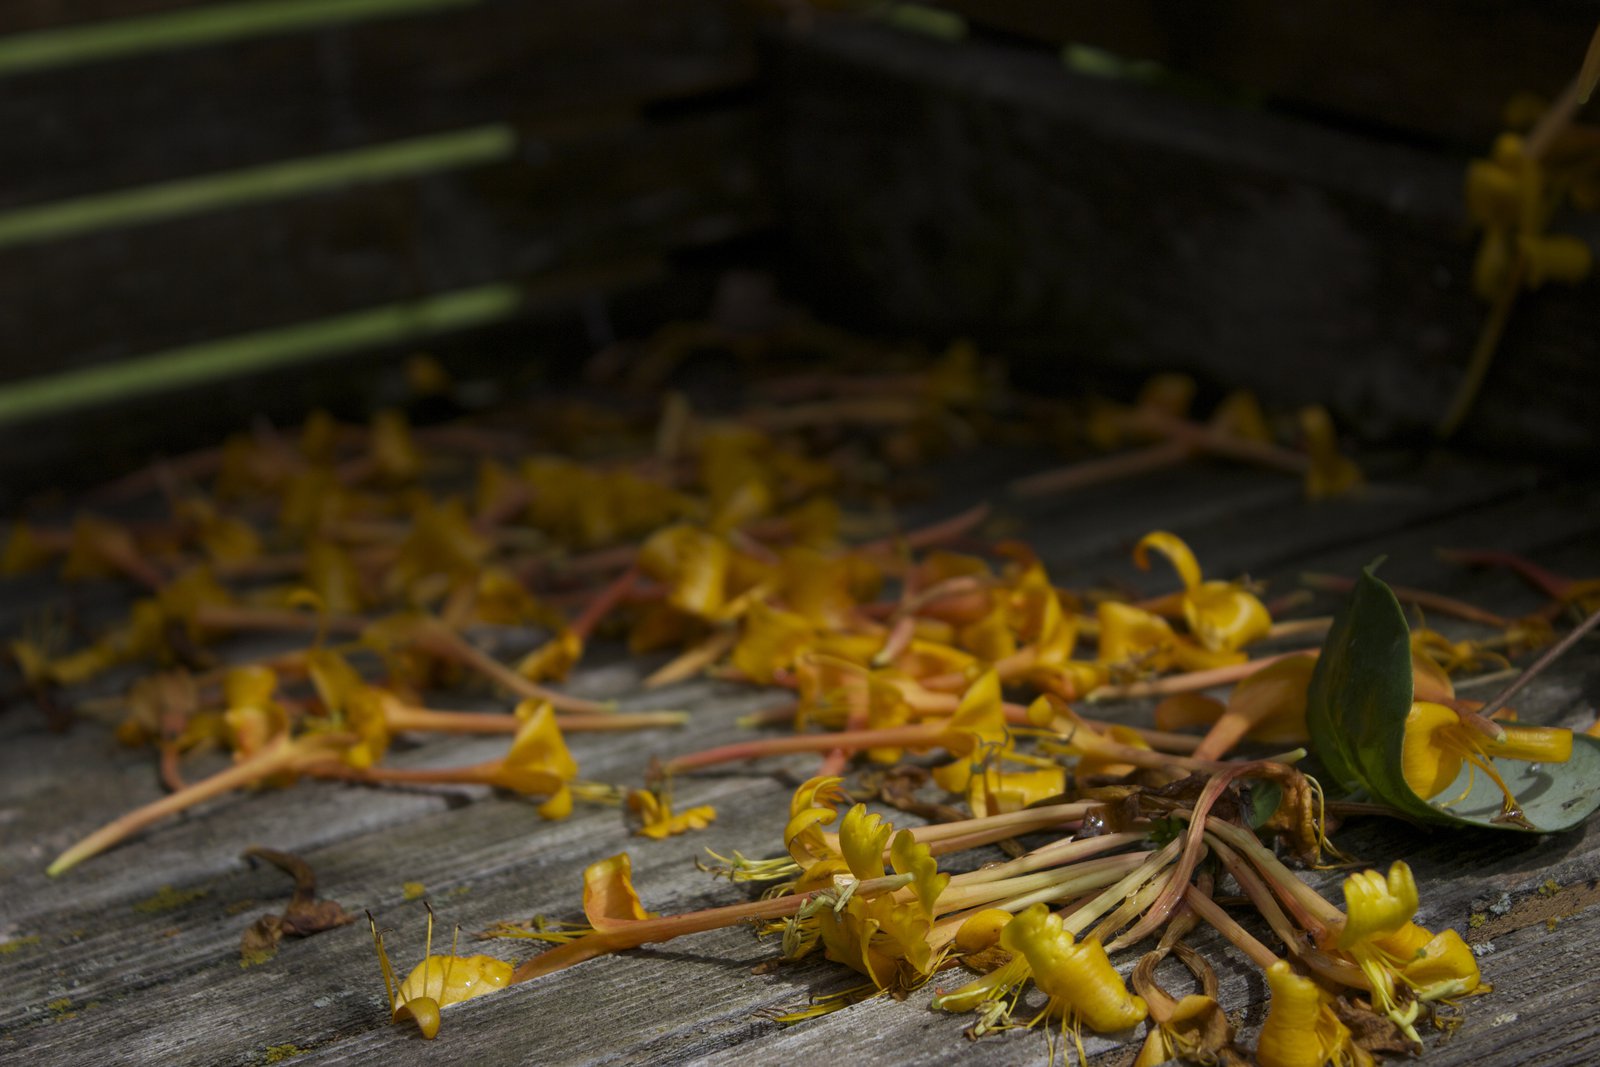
(1377, 907)
(1177, 552)
(609, 899)
(914, 858)
(1444, 967)
(661, 822)
(863, 836)
(813, 806)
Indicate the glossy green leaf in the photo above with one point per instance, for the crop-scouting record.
(1356, 714)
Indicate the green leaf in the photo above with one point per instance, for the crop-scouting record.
(1266, 797)
(1356, 714)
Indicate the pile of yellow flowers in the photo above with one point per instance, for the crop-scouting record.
(938, 653)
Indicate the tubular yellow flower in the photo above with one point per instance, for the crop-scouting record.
(980, 717)
(990, 638)
(1077, 976)
(553, 660)
(440, 544)
(1393, 951)
(1301, 1030)
(1437, 743)
(875, 937)
(437, 982)
(1132, 638)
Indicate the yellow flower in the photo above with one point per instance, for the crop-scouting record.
(1330, 473)
(224, 538)
(1301, 1029)
(980, 718)
(1132, 639)
(503, 600)
(1390, 948)
(1076, 975)
(995, 790)
(1377, 907)
(878, 938)
(1555, 258)
(990, 638)
(554, 659)
(441, 546)
(883, 937)
(253, 717)
(1437, 743)
(1222, 616)
(364, 714)
(1441, 967)
(659, 819)
(862, 838)
(914, 859)
(770, 640)
(330, 574)
(824, 588)
(538, 761)
(980, 931)
(814, 805)
(437, 982)
(692, 564)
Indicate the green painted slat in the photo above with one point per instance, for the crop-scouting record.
(191, 27)
(209, 361)
(271, 181)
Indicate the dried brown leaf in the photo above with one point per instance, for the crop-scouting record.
(305, 915)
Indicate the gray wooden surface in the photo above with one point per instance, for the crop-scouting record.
(111, 978)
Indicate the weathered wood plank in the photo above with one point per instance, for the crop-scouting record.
(1439, 70)
(567, 204)
(983, 191)
(167, 984)
(145, 118)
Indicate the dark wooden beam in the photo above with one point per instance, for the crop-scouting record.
(1082, 224)
(1440, 70)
